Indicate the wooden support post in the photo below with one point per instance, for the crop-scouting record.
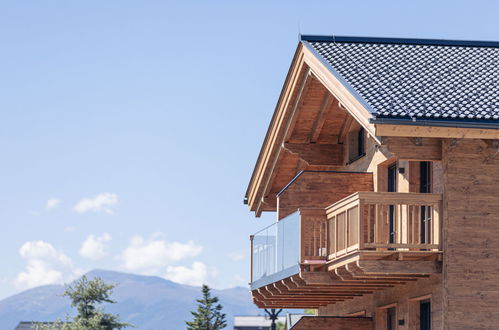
(361, 222)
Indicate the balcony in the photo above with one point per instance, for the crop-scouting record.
(278, 250)
(390, 223)
(365, 242)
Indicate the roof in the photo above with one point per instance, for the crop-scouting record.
(407, 80)
(25, 326)
(29, 325)
(255, 321)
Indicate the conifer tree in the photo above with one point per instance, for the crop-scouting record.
(209, 314)
(87, 296)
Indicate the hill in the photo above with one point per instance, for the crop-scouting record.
(149, 302)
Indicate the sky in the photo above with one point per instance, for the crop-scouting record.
(129, 129)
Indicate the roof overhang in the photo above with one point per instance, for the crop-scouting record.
(308, 65)
(305, 64)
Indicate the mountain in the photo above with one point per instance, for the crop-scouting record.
(150, 303)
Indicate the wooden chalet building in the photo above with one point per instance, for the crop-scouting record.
(382, 164)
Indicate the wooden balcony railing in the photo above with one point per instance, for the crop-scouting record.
(383, 222)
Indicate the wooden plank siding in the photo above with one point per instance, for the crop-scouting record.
(321, 189)
(403, 296)
(471, 231)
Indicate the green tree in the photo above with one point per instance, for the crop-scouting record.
(209, 314)
(87, 296)
(309, 312)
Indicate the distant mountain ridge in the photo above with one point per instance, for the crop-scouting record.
(149, 302)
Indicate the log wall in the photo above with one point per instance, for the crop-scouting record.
(321, 189)
(471, 235)
(405, 298)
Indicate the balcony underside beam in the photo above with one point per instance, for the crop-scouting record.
(353, 279)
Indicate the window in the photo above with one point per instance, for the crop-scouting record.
(391, 318)
(386, 317)
(425, 177)
(356, 144)
(425, 315)
(420, 312)
(361, 145)
(392, 187)
(425, 187)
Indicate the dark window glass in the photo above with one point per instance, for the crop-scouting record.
(424, 177)
(425, 187)
(392, 178)
(361, 146)
(392, 187)
(425, 315)
(391, 318)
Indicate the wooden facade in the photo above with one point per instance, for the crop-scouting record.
(396, 221)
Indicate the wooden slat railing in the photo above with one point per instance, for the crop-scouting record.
(313, 228)
(384, 221)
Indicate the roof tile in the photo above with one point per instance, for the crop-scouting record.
(416, 80)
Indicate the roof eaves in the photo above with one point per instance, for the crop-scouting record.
(406, 41)
(437, 123)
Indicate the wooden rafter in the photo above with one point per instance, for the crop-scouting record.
(305, 84)
(345, 128)
(321, 118)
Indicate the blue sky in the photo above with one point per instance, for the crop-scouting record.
(129, 129)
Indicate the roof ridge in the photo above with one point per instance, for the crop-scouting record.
(402, 41)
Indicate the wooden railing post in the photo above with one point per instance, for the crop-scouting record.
(362, 223)
(437, 227)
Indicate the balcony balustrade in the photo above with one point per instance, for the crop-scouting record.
(383, 221)
(364, 223)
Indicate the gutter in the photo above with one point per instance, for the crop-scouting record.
(438, 123)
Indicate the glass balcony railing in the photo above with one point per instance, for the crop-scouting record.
(276, 249)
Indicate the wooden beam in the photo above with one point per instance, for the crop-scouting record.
(345, 128)
(417, 149)
(321, 118)
(292, 286)
(305, 84)
(317, 278)
(436, 132)
(391, 267)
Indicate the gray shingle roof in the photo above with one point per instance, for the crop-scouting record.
(437, 80)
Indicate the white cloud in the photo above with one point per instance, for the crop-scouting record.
(152, 256)
(100, 203)
(196, 275)
(237, 255)
(52, 203)
(45, 265)
(94, 247)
